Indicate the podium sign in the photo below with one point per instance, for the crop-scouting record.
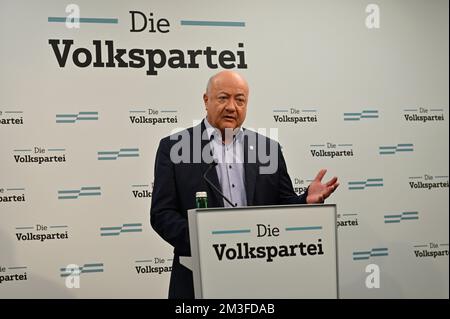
(264, 252)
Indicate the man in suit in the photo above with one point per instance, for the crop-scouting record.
(233, 158)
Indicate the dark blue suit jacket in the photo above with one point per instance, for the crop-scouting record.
(175, 185)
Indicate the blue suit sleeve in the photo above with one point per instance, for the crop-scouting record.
(166, 217)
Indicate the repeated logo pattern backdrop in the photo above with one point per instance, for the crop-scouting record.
(84, 101)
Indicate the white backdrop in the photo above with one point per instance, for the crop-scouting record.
(379, 94)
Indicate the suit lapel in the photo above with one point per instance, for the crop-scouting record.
(216, 200)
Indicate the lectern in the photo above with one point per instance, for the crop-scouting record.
(287, 251)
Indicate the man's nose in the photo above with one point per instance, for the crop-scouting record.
(231, 105)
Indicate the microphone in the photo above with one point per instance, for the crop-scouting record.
(214, 164)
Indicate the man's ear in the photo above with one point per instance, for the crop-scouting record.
(205, 100)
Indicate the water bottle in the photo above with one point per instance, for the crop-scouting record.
(201, 200)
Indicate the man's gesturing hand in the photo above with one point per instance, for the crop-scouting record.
(318, 192)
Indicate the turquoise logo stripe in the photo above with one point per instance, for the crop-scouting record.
(84, 20)
(23, 150)
(77, 193)
(117, 230)
(212, 23)
(397, 218)
(18, 267)
(87, 268)
(138, 111)
(232, 231)
(114, 155)
(371, 182)
(303, 228)
(389, 150)
(72, 118)
(24, 227)
(280, 111)
(357, 116)
(374, 252)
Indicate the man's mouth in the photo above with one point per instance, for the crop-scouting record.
(229, 117)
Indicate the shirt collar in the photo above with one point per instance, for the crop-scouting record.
(211, 130)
